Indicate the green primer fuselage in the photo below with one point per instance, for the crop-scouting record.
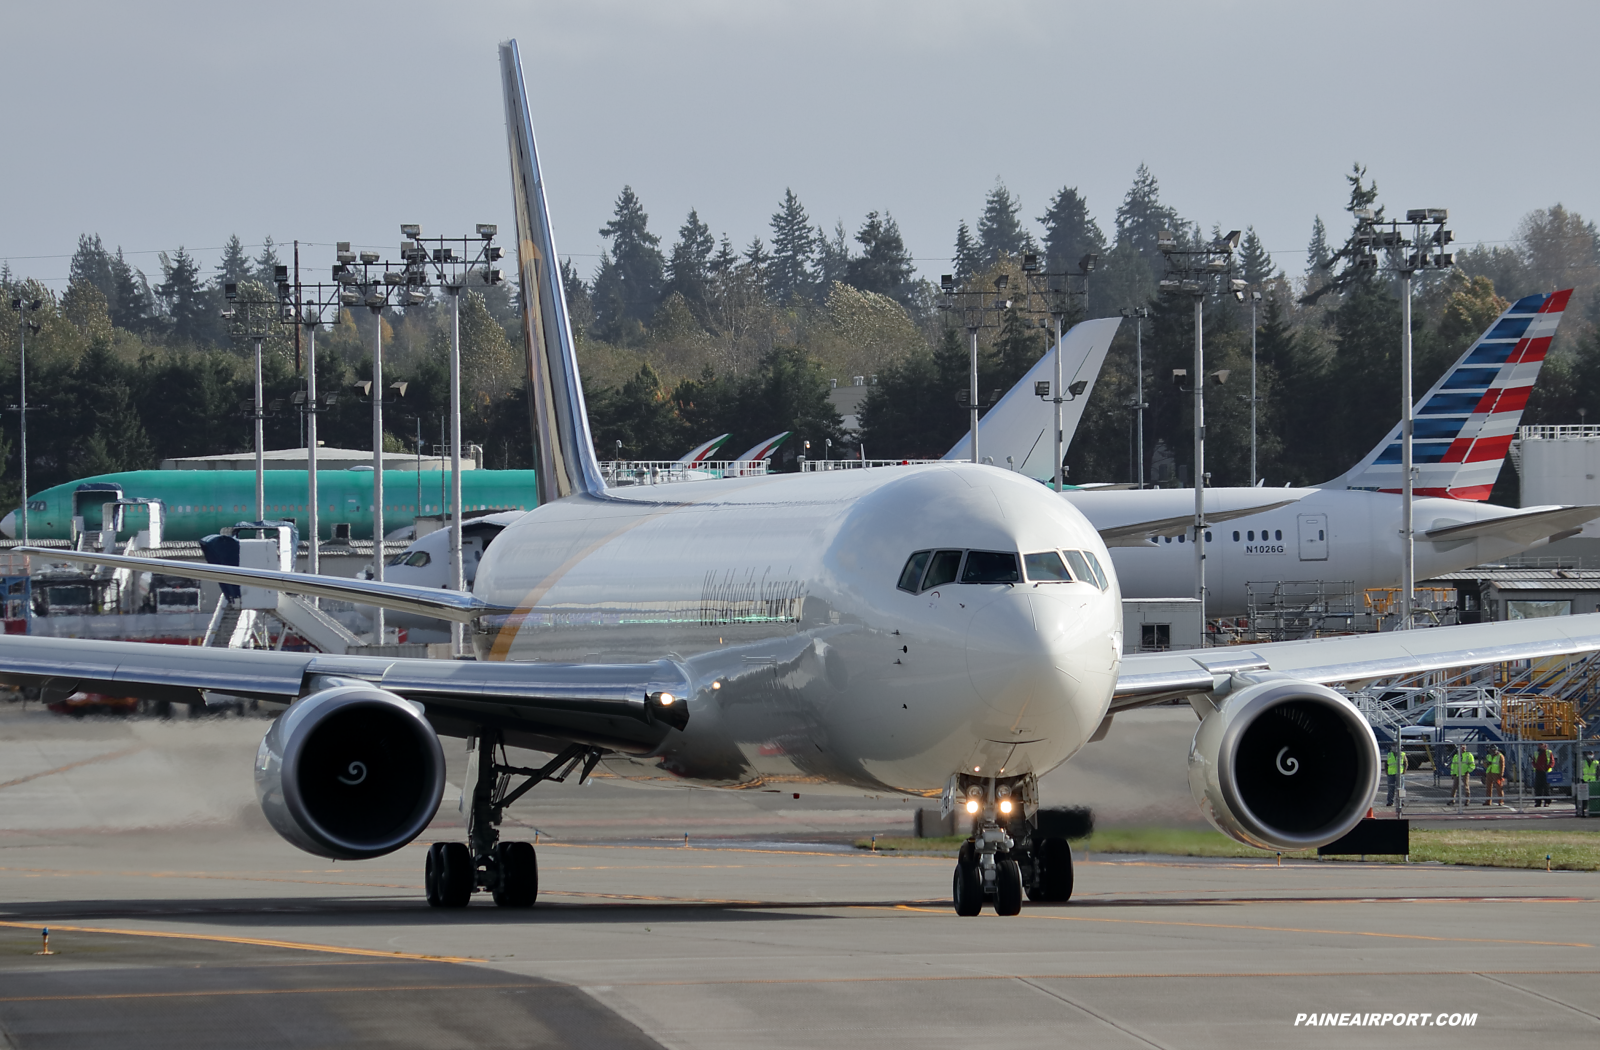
(201, 502)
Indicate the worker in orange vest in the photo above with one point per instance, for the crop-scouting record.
(1494, 774)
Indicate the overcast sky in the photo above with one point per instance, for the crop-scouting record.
(157, 123)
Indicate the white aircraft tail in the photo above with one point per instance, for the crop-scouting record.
(563, 448)
(1464, 425)
(700, 453)
(1019, 425)
(757, 453)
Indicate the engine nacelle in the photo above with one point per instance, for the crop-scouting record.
(1284, 765)
(350, 772)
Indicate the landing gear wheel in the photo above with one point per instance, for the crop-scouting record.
(518, 866)
(1052, 858)
(458, 875)
(967, 885)
(1007, 887)
(432, 873)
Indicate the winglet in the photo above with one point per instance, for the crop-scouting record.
(564, 449)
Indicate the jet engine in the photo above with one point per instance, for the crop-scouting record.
(350, 772)
(1284, 765)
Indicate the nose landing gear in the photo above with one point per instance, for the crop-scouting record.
(1015, 848)
(508, 870)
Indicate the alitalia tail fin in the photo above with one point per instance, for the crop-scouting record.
(1464, 425)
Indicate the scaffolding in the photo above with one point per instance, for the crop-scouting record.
(1283, 610)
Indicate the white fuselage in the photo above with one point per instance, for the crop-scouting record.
(809, 666)
(1335, 535)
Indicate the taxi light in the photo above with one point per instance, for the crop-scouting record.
(972, 805)
(1005, 805)
(665, 699)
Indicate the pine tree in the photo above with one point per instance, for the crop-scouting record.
(1255, 259)
(133, 304)
(1141, 217)
(966, 261)
(793, 245)
(725, 262)
(884, 265)
(187, 307)
(833, 256)
(999, 229)
(1318, 254)
(757, 261)
(580, 310)
(235, 264)
(629, 283)
(689, 268)
(267, 261)
(1070, 232)
(92, 265)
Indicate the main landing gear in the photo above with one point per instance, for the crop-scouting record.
(508, 870)
(1015, 848)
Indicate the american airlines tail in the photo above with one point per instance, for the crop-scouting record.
(563, 448)
(1465, 424)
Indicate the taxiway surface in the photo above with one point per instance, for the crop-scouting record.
(193, 925)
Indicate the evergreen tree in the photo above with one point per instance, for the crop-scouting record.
(725, 262)
(966, 261)
(884, 265)
(580, 310)
(833, 256)
(793, 245)
(1070, 232)
(689, 268)
(267, 261)
(628, 285)
(188, 308)
(757, 262)
(1318, 255)
(1255, 260)
(1141, 217)
(133, 304)
(999, 229)
(92, 265)
(235, 264)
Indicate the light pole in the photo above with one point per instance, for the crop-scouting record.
(1138, 313)
(254, 326)
(23, 307)
(1058, 294)
(305, 312)
(1255, 300)
(1422, 250)
(974, 309)
(452, 271)
(1191, 272)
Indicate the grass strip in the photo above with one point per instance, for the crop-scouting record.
(1567, 850)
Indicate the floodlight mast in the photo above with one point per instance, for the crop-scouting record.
(451, 271)
(305, 310)
(1424, 249)
(253, 326)
(1138, 313)
(22, 304)
(1192, 271)
(1058, 295)
(974, 306)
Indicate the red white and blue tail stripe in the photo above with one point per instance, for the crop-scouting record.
(1465, 424)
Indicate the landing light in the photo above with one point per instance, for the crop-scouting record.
(666, 699)
(1005, 805)
(972, 805)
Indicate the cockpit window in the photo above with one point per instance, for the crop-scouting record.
(942, 569)
(1099, 573)
(1046, 567)
(911, 575)
(1080, 567)
(419, 558)
(990, 567)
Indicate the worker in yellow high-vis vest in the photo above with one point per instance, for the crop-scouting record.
(1462, 763)
(1494, 774)
(1588, 771)
(1394, 767)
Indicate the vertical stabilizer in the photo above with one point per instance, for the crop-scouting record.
(563, 448)
(1465, 424)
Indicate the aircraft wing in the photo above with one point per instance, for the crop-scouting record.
(1136, 533)
(1525, 526)
(1148, 678)
(617, 706)
(426, 601)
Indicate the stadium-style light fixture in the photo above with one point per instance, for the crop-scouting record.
(410, 230)
(487, 230)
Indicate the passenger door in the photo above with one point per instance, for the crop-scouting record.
(1313, 537)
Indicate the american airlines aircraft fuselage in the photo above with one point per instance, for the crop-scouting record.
(808, 664)
(1337, 535)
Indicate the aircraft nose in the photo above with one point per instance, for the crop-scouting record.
(1021, 658)
(8, 525)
